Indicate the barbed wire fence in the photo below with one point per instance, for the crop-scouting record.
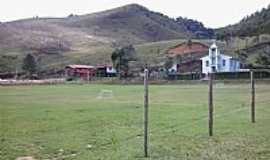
(247, 102)
(250, 100)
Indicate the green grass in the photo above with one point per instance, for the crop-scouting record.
(58, 122)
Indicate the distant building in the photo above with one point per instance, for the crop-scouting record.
(106, 71)
(187, 56)
(111, 70)
(174, 68)
(217, 62)
(191, 66)
(188, 48)
(84, 72)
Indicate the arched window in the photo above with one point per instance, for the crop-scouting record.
(207, 63)
(224, 62)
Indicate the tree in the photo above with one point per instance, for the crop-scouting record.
(263, 60)
(121, 58)
(29, 64)
(7, 63)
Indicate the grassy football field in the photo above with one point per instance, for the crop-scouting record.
(104, 122)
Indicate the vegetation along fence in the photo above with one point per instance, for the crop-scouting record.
(260, 74)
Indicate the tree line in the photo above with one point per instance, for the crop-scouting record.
(11, 64)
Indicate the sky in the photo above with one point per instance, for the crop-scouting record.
(213, 13)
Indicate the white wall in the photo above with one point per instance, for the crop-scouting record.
(205, 69)
(226, 67)
(173, 68)
(231, 65)
(110, 70)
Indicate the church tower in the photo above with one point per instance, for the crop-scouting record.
(213, 55)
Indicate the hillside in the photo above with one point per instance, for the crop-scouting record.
(59, 41)
(196, 27)
(253, 25)
(132, 23)
(128, 24)
(257, 55)
(152, 53)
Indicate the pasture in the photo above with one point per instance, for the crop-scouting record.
(100, 122)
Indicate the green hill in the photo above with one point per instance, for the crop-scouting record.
(89, 39)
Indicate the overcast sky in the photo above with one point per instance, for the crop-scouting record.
(213, 13)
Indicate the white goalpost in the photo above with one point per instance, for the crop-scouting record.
(105, 94)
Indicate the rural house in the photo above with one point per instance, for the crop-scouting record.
(217, 62)
(105, 71)
(84, 72)
(187, 56)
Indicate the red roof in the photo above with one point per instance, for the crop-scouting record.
(80, 66)
(186, 48)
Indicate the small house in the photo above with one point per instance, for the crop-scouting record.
(174, 68)
(187, 57)
(217, 62)
(84, 72)
(111, 71)
(105, 71)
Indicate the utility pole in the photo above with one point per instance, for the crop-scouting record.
(210, 104)
(16, 72)
(16, 68)
(146, 101)
(88, 76)
(252, 96)
(119, 68)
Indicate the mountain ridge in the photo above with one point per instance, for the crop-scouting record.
(127, 24)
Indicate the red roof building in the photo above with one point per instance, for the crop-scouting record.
(84, 72)
(188, 48)
(190, 53)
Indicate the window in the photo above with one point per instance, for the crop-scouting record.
(213, 61)
(231, 63)
(207, 63)
(224, 62)
(214, 69)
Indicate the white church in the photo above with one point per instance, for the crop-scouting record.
(217, 62)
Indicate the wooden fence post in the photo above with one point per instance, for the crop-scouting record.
(146, 112)
(210, 104)
(252, 96)
(88, 76)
